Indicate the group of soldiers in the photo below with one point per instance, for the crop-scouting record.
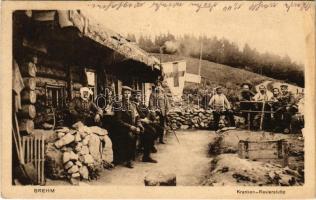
(130, 123)
(280, 102)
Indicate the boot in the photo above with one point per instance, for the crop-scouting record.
(153, 150)
(129, 164)
(149, 159)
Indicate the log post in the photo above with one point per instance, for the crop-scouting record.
(30, 83)
(28, 69)
(28, 96)
(27, 111)
(26, 125)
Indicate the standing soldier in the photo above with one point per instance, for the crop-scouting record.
(221, 106)
(246, 95)
(158, 102)
(127, 128)
(83, 109)
(288, 107)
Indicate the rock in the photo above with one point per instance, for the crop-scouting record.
(74, 181)
(84, 172)
(84, 150)
(54, 167)
(184, 127)
(63, 130)
(97, 130)
(85, 141)
(78, 163)
(73, 169)
(69, 156)
(107, 150)
(88, 159)
(78, 147)
(75, 175)
(60, 134)
(77, 137)
(67, 139)
(78, 126)
(68, 165)
(94, 147)
(157, 178)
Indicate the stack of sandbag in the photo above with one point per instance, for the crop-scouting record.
(81, 148)
(190, 117)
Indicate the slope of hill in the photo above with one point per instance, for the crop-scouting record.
(217, 74)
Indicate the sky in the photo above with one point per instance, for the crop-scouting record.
(272, 30)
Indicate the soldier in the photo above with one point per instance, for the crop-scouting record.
(221, 106)
(83, 109)
(263, 94)
(158, 102)
(288, 107)
(127, 128)
(246, 95)
(149, 135)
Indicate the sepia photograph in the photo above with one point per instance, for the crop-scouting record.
(162, 93)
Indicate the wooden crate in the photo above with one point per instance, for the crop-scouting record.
(33, 151)
(275, 151)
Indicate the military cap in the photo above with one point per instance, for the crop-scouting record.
(246, 83)
(284, 85)
(126, 88)
(262, 87)
(217, 88)
(137, 91)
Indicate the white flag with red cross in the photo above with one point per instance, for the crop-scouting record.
(175, 77)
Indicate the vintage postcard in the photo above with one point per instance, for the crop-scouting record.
(158, 99)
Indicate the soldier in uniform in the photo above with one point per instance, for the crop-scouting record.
(128, 127)
(288, 107)
(150, 134)
(221, 106)
(83, 109)
(158, 102)
(246, 95)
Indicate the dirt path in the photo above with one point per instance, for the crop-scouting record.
(188, 160)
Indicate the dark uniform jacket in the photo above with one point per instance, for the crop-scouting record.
(82, 110)
(159, 102)
(126, 116)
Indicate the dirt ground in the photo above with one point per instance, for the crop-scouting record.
(228, 169)
(188, 160)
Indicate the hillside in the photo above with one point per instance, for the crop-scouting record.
(217, 74)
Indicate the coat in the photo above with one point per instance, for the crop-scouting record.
(159, 102)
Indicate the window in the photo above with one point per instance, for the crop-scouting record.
(92, 81)
(55, 96)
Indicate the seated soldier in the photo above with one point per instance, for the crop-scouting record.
(128, 127)
(288, 107)
(150, 134)
(84, 110)
(221, 106)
